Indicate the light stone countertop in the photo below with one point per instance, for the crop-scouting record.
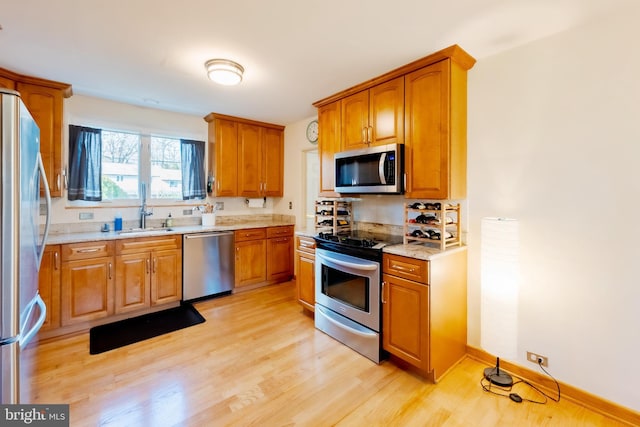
(417, 251)
(62, 238)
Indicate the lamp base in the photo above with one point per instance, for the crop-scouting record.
(498, 377)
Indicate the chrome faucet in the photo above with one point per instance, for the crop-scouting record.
(144, 213)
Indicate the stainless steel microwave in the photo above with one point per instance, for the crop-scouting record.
(376, 170)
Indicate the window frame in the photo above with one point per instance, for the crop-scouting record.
(144, 172)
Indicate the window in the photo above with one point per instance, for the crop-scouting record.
(166, 174)
(129, 159)
(120, 170)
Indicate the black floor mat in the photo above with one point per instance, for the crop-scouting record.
(124, 332)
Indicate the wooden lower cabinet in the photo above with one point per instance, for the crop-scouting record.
(148, 272)
(306, 272)
(251, 257)
(49, 286)
(87, 287)
(424, 310)
(263, 256)
(406, 320)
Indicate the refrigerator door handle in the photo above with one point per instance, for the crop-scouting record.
(27, 336)
(47, 196)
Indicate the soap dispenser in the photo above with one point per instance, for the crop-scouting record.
(169, 221)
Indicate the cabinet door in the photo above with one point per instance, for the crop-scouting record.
(133, 280)
(225, 162)
(250, 160)
(166, 276)
(251, 261)
(328, 145)
(45, 105)
(386, 113)
(86, 290)
(280, 258)
(49, 286)
(405, 318)
(273, 170)
(427, 132)
(355, 120)
(306, 280)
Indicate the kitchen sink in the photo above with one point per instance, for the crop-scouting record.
(144, 230)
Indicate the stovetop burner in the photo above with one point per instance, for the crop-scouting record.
(361, 242)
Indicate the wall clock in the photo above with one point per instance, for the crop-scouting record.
(312, 132)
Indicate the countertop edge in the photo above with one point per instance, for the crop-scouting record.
(58, 239)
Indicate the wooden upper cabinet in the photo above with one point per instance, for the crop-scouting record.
(7, 83)
(223, 152)
(273, 170)
(246, 157)
(422, 104)
(250, 161)
(44, 100)
(374, 116)
(436, 147)
(328, 145)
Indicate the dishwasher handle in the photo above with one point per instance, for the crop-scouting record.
(205, 235)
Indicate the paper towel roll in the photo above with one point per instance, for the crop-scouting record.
(256, 203)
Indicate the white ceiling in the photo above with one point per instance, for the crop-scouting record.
(295, 52)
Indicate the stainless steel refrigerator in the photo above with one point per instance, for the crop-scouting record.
(22, 311)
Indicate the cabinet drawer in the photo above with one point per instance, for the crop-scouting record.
(408, 268)
(306, 244)
(280, 231)
(142, 244)
(86, 250)
(250, 234)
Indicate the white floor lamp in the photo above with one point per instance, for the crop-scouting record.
(499, 281)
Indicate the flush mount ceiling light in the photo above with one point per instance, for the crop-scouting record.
(224, 71)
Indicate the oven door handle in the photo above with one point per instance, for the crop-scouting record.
(331, 318)
(346, 264)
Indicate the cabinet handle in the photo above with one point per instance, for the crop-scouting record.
(56, 261)
(148, 266)
(110, 271)
(88, 250)
(155, 265)
(364, 135)
(369, 134)
(284, 239)
(382, 293)
(400, 268)
(58, 181)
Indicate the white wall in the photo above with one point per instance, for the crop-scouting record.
(554, 141)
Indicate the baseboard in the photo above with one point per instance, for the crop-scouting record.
(594, 403)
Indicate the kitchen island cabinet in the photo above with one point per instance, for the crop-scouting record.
(44, 100)
(424, 310)
(148, 272)
(87, 282)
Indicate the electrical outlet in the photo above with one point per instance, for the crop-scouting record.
(85, 215)
(187, 211)
(219, 206)
(534, 358)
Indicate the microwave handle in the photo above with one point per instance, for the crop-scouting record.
(383, 158)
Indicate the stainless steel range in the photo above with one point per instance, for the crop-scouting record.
(348, 280)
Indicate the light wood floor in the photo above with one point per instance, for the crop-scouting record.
(258, 360)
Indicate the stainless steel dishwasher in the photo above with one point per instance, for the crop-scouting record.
(208, 264)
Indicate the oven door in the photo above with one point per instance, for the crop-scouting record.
(349, 286)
